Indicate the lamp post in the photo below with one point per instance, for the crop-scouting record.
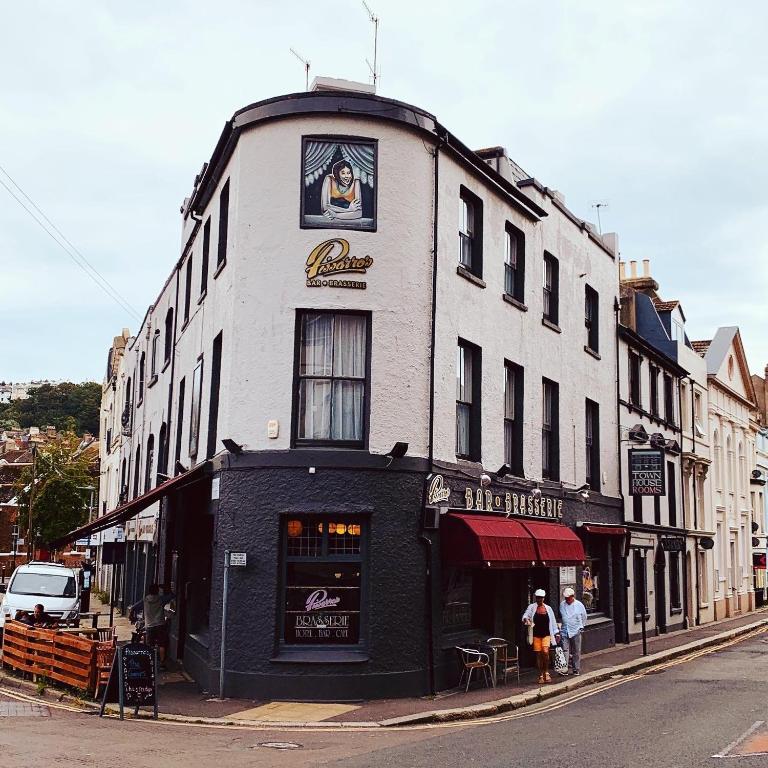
(30, 539)
(15, 538)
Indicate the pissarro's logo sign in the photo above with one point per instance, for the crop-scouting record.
(437, 490)
(331, 258)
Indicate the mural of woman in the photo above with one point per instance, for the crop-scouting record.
(341, 197)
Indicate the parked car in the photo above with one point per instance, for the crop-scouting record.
(57, 587)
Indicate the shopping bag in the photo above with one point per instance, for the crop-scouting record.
(530, 634)
(561, 665)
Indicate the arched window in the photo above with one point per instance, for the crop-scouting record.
(150, 459)
(136, 472)
(168, 335)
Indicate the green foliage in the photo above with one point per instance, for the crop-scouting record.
(68, 407)
(42, 684)
(60, 504)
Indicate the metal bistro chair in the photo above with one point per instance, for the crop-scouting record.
(107, 634)
(505, 661)
(469, 661)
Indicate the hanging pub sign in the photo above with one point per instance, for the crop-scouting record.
(647, 475)
(673, 544)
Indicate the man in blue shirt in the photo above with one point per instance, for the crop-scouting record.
(574, 617)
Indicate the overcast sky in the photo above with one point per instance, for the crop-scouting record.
(108, 110)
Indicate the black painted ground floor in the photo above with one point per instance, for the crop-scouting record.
(349, 590)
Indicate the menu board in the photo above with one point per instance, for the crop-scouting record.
(133, 678)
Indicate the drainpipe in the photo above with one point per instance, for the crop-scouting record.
(695, 501)
(623, 564)
(429, 550)
(686, 603)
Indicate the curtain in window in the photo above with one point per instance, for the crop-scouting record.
(333, 347)
(349, 346)
(315, 412)
(317, 346)
(320, 153)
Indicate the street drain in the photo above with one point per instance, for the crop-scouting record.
(279, 745)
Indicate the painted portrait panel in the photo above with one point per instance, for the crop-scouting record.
(338, 176)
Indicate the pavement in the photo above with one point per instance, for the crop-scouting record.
(180, 699)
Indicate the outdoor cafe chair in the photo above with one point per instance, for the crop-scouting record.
(469, 661)
(107, 634)
(505, 661)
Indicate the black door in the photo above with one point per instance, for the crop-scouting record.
(660, 571)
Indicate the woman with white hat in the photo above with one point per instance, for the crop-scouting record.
(542, 618)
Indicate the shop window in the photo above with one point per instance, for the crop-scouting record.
(590, 585)
(332, 378)
(674, 581)
(322, 580)
(457, 599)
(514, 263)
(568, 578)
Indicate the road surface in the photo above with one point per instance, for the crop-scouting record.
(686, 714)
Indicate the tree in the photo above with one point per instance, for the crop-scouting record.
(60, 503)
(65, 406)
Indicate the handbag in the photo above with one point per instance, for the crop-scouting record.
(530, 634)
(561, 665)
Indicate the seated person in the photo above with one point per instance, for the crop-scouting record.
(24, 617)
(42, 620)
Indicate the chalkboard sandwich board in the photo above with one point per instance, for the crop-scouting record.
(133, 679)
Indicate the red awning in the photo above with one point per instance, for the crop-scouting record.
(556, 544)
(132, 508)
(487, 542)
(606, 530)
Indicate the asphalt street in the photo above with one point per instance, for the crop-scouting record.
(689, 713)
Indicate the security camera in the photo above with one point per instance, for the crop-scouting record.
(485, 480)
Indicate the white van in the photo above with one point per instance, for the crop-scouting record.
(56, 587)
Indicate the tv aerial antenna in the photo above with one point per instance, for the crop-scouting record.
(597, 205)
(375, 20)
(306, 63)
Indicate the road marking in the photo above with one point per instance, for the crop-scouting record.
(744, 736)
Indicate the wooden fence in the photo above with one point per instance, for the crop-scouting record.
(57, 656)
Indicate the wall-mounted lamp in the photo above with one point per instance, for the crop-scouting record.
(485, 480)
(232, 446)
(397, 451)
(179, 468)
(637, 434)
(503, 470)
(536, 492)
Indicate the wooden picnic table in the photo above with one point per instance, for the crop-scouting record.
(93, 615)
